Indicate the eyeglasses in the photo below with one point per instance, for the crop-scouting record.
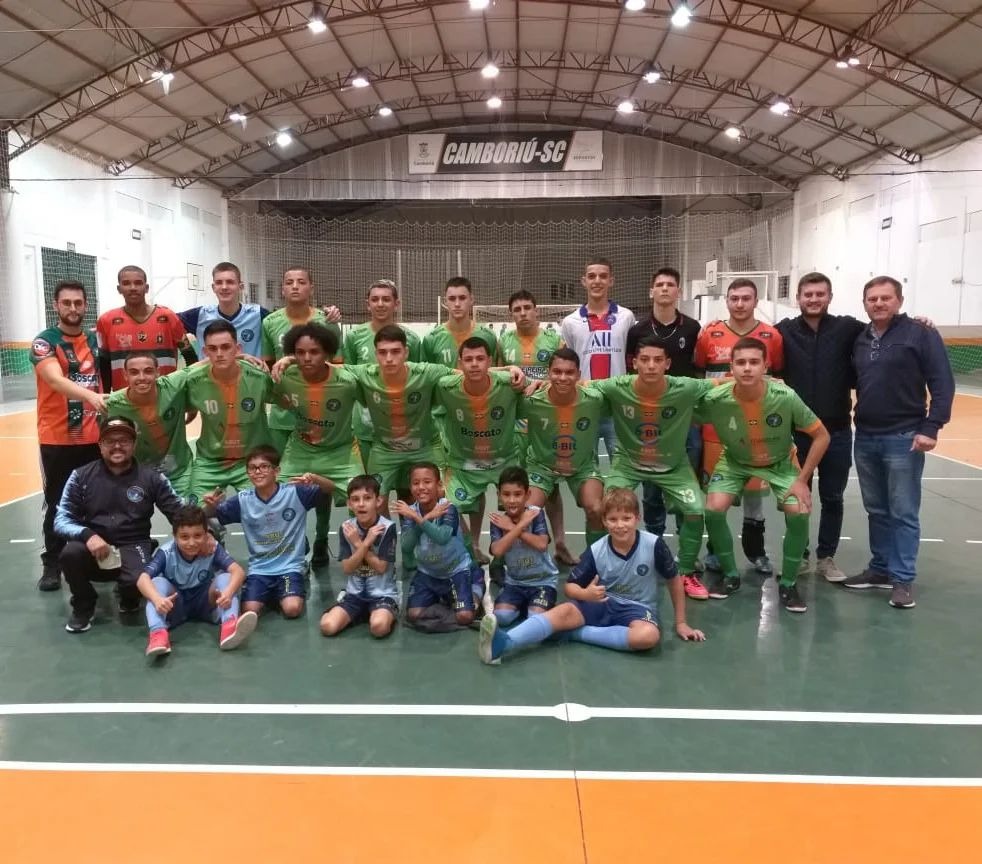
(259, 468)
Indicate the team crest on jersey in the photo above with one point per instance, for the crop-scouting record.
(716, 334)
(642, 570)
(716, 477)
(289, 514)
(117, 321)
(135, 494)
(681, 342)
(141, 337)
(169, 414)
(192, 499)
(162, 319)
(333, 405)
(669, 412)
(70, 356)
(40, 348)
(542, 356)
(460, 494)
(247, 335)
(774, 420)
(648, 432)
(414, 397)
(764, 334)
(583, 424)
(125, 340)
(248, 404)
(497, 412)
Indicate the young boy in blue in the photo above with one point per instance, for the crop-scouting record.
(612, 592)
(274, 522)
(519, 536)
(185, 582)
(367, 549)
(431, 535)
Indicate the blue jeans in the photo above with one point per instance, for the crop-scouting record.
(890, 481)
(655, 516)
(606, 430)
(833, 475)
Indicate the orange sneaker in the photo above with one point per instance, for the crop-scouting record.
(694, 589)
(158, 644)
(235, 631)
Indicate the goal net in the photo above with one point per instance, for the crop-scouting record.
(498, 316)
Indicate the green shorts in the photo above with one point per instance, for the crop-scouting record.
(463, 487)
(679, 487)
(391, 467)
(178, 475)
(365, 449)
(279, 438)
(339, 464)
(543, 478)
(730, 477)
(207, 475)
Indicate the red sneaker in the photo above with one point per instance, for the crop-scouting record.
(158, 644)
(235, 631)
(694, 588)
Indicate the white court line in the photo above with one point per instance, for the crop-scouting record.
(973, 541)
(931, 540)
(22, 498)
(956, 461)
(491, 774)
(566, 711)
(22, 540)
(17, 437)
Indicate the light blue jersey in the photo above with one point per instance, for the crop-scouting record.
(438, 544)
(183, 574)
(275, 530)
(248, 322)
(524, 565)
(629, 578)
(366, 583)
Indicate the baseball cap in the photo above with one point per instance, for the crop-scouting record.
(118, 424)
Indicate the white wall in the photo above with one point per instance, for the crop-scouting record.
(60, 199)
(933, 242)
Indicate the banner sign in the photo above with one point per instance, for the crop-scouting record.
(505, 153)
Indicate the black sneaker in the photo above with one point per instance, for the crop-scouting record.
(868, 579)
(320, 556)
(902, 596)
(724, 586)
(127, 603)
(50, 579)
(791, 599)
(79, 622)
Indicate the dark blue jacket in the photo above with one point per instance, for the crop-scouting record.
(117, 507)
(895, 372)
(818, 365)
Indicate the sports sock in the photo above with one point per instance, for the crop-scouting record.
(606, 637)
(690, 539)
(222, 581)
(795, 541)
(535, 628)
(722, 540)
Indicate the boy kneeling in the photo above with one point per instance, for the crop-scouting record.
(367, 549)
(612, 592)
(183, 582)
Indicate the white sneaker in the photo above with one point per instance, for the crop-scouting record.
(827, 568)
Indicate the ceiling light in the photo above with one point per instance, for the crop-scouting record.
(385, 111)
(162, 74)
(494, 102)
(680, 17)
(634, 5)
(237, 115)
(652, 76)
(626, 107)
(480, 4)
(732, 132)
(360, 80)
(490, 71)
(780, 107)
(316, 23)
(283, 139)
(853, 60)
(841, 64)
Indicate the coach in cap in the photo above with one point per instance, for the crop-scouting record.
(104, 516)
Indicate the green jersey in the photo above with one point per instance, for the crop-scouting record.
(275, 327)
(652, 433)
(480, 429)
(359, 348)
(563, 438)
(161, 439)
(322, 411)
(233, 413)
(401, 414)
(757, 433)
(441, 345)
(531, 353)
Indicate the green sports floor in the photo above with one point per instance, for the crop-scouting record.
(851, 732)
